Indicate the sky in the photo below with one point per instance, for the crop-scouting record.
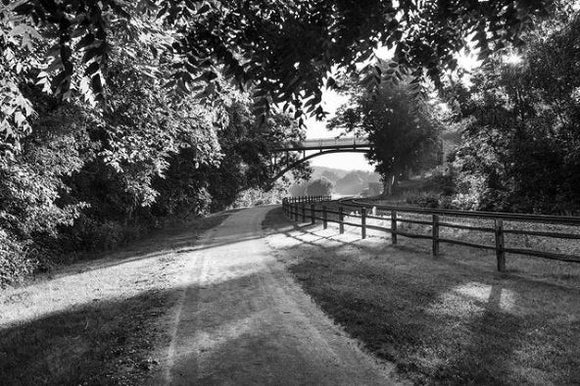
(317, 129)
(331, 100)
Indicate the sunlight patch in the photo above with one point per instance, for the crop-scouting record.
(96, 285)
(472, 299)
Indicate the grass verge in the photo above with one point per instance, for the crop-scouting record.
(450, 320)
(96, 323)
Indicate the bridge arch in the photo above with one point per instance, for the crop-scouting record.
(320, 146)
(317, 154)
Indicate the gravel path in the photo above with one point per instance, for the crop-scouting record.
(243, 320)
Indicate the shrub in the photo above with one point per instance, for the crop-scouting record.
(14, 261)
(320, 187)
(445, 182)
(424, 199)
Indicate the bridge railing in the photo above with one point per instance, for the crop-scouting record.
(492, 226)
(322, 143)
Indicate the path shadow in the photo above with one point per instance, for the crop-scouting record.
(111, 341)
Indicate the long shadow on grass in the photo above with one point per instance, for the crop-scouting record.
(84, 345)
(439, 322)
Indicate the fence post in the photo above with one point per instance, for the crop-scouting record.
(499, 245)
(296, 211)
(340, 220)
(435, 235)
(393, 227)
(312, 219)
(363, 221)
(303, 212)
(324, 217)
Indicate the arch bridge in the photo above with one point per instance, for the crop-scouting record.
(317, 148)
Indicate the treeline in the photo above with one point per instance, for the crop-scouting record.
(89, 176)
(325, 181)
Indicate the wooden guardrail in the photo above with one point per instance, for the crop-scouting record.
(303, 208)
(294, 206)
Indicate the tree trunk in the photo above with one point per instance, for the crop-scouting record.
(390, 183)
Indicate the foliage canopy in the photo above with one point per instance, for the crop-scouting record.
(282, 50)
(521, 142)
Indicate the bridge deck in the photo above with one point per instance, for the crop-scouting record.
(326, 143)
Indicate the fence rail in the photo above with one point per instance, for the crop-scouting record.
(314, 208)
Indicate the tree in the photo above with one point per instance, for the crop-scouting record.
(521, 131)
(320, 187)
(83, 177)
(248, 151)
(260, 43)
(400, 131)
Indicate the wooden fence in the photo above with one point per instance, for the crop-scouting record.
(323, 209)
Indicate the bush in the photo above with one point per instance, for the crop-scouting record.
(91, 235)
(443, 182)
(320, 187)
(256, 197)
(14, 261)
(424, 199)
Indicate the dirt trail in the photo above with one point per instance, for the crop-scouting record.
(242, 320)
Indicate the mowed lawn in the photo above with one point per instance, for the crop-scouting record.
(450, 320)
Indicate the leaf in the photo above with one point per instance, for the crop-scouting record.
(92, 69)
(94, 52)
(97, 84)
(19, 118)
(85, 41)
(330, 82)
